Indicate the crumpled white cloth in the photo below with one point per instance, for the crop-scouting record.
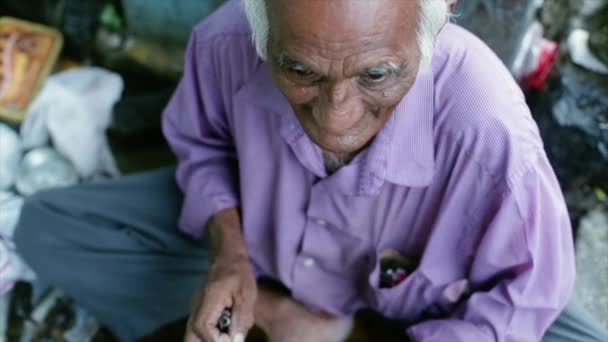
(10, 156)
(73, 109)
(12, 267)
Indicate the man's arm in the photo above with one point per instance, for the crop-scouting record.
(196, 126)
(523, 272)
(230, 283)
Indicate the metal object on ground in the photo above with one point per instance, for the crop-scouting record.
(19, 310)
(4, 304)
(223, 323)
(44, 168)
(35, 322)
(57, 321)
(84, 328)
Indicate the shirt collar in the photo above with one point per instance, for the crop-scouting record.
(407, 140)
(260, 91)
(402, 152)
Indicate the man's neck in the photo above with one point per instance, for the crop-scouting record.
(334, 161)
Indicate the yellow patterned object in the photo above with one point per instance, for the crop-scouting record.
(27, 53)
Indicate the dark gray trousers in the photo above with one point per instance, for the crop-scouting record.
(115, 248)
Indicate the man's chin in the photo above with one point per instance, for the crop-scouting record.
(335, 142)
(339, 144)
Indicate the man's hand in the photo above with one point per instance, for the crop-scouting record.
(230, 285)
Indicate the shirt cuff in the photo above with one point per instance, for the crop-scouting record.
(197, 210)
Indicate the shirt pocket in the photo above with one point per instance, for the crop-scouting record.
(405, 301)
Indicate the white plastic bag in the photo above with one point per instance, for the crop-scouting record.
(12, 267)
(10, 155)
(74, 108)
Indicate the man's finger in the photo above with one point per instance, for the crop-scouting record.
(203, 332)
(224, 338)
(239, 337)
(242, 320)
(196, 331)
(239, 327)
(189, 334)
(191, 337)
(207, 321)
(210, 333)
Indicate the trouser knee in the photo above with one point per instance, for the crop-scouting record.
(33, 234)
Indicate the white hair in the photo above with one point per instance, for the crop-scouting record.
(433, 15)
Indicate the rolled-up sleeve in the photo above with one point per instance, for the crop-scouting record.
(523, 269)
(195, 125)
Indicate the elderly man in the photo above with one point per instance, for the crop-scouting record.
(360, 154)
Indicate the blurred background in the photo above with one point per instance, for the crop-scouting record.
(83, 84)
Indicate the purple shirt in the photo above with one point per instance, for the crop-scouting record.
(457, 181)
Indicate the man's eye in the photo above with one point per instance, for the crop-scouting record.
(373, 77)
(303, 73)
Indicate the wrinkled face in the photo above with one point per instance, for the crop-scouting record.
(344, 65)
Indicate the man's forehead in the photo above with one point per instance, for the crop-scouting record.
(316, 32)
(338, 20)
(345, 6)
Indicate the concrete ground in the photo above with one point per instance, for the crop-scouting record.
(592, 265)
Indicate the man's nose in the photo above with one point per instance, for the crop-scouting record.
(337, 107)
(337, 92)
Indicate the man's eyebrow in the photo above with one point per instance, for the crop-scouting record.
(287, 62)
(387, 68)
(284, 61)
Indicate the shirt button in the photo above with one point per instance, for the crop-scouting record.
(309, 262)
(321, 222)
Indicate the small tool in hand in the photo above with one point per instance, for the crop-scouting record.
(223, 323)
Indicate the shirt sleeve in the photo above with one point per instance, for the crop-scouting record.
(523, 268)
(195, 125)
